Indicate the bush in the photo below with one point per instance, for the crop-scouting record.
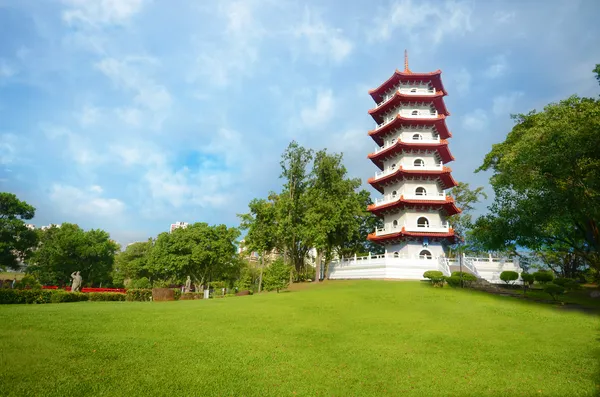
(177, 293)
(435, 277)
(28, 281)
(543, 276)
(217, 285)
(139, 295)
(106, 296)
(508, 276)
(191, 295)
(60, 296)
(554, 290)
(527, 278)
(11, 296)
(140, 283)
(453, 281)
(276, 276)
(567, 283)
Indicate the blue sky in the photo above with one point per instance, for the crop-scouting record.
(129, 115)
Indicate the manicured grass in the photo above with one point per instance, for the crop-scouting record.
(360, 338)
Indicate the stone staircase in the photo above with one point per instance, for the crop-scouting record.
(456, 268)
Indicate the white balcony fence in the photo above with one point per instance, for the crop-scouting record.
(406, 140)
(428, 228)
(418, 114)
(409, 167)
(407, 91)
(389, 198)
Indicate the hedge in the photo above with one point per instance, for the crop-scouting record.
(139, 295)
(106, 296)
(9, 296)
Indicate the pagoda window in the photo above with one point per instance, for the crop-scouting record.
(422, 222)
(419, 163)
(395, 223)
(415, 113)
(413, 90)
(417, 137)
(425, 254)
(396, 254)
(420, 191)
(393, 167)
(394, 193)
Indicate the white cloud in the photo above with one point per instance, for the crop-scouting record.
(497, 67)
(8, 148)
(322, 111)
(138, 153)
(98, 12)
(477, 120)
(87, 202)
(6, 70)
(504, 105)
(323, 40)
(504, 17)
(424, 22)
(130, 116)
(88, 115)
(79, 147)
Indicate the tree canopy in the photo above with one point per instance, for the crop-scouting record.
(16, 239)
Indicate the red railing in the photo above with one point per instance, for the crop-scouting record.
(119, 290)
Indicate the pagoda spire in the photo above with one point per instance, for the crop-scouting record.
(406, 69)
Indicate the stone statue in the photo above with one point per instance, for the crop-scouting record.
(188, 284)
(76, 286)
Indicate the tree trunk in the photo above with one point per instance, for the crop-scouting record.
(260, 276)
(318, 266)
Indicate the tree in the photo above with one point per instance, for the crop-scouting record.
(68, 248)
(277, 276)
(367, 223)
(465, 199)
(261, 223)
(508, 276)
(16, 239)
(133, 262)
(597, 72)
(332, 216)
(546, 180)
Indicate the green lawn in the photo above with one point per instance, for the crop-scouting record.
(362, 338)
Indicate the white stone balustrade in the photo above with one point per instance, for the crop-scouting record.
(409, 167)
(421, 114)
(407, 91)
(428, 228)
(390, 198)
(405, 140)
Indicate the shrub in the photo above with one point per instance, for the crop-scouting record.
(276, 276)
(28, 281)
(60, 296)
(435, 277)
(106, 296)
(453, 281)
(217, 285)
(11, 296)
(467, 278)
(508, 276)
(554, 290)
(177, 293)
(191, 295)
(567, 283)
(140, 283)
(139, 295)
(527, 278)
(543, 276)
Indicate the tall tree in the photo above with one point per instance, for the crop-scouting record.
(132, 263)
(68, 248)
(546, 179)
(465, 199)
(16, 239)
(261, 224)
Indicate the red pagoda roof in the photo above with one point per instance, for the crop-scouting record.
(387, 238)
(439, 123)
(443, 175)
(400, 146)
(398, 98)
(435, 78)
(447, 205)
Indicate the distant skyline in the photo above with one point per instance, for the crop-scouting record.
(130, 115)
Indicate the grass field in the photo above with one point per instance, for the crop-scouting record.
(362, 338)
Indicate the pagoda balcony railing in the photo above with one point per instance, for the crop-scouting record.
(424, 228)
(389, 198)
(416, 114)
(408, 91)
(406, 140)
(411, 167)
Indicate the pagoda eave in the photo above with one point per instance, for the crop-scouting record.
(447, 205)
(400, 146)
(403, 234)
(439, 123)
(444, 176)
(438, 101)
(398, 76)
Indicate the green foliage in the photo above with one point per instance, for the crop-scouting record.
(509, 276)
(218, 285)
(140, 283)
(132, 263)
(527, 278)
(465, 199)
(436, 277)
(191, 296)
(277, 276)
(543, 276)
(597, 72)
(139, 295)
(178, 294)
(28, 281)
(467, 278)
(9, 296)
(106, 296)
(68, 248)
(61, 296)
(16, 239)
(453, 281)
(567, 283)
(554, 290)
(546, 180)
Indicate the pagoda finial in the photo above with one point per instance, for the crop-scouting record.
(406, 69)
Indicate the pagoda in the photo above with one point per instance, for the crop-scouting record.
(411, 154)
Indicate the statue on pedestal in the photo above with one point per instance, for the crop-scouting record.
(77, 280)
(188, 284)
